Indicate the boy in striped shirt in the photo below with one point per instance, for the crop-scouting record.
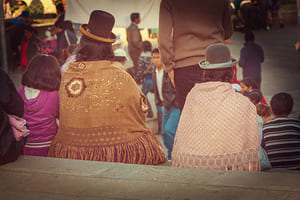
(282, 134)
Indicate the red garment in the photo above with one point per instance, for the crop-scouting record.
(263, 101)
(234, 80)
(24, 61)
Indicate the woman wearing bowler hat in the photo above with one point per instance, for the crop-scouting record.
(218, 127)
(102, 110)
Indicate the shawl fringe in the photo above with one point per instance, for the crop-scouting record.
(143, 150)
(242, 161)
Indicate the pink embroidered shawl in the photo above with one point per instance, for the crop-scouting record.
(218, 129)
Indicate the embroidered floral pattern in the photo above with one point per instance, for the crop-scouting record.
(77, 67)
(75, 87)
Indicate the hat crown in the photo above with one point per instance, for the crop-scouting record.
(217, 53)
(101, 23)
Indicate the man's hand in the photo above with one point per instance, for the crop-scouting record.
(171, 76)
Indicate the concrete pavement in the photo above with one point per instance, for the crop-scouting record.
(31, 178)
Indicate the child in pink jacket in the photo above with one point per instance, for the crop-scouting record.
(41, 83)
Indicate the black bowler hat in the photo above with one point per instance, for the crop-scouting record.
(99, 27)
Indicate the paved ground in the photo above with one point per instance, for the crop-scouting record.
(49, 178)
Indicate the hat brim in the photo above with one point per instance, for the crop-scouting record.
(84, 30)
(206, 65)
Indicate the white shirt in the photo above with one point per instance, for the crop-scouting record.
(31, 93)
(159, 82)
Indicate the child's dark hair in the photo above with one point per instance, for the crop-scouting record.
(147, 46)
(263, 110)
(282, 104)
(249, 82)
(255, 95)
(43, 73)
(156, 50)
(134, 16)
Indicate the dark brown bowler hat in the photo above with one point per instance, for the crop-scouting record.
(217, 56)
(99, 27)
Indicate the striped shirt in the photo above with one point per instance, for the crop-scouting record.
(282, 141)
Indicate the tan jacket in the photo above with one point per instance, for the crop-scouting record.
(187, 27)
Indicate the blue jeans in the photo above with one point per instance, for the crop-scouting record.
(148, 87)
(169, 127)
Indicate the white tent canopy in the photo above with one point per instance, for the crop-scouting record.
(78, 11)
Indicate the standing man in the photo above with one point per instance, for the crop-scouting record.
(134, 39)
(186, 28)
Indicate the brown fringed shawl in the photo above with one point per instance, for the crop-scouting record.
(102, 117)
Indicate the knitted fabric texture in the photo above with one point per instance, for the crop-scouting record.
(102, 117)
(218, 129)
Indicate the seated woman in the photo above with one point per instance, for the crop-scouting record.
(218, 127)
(102, 110)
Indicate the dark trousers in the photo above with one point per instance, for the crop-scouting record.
(185, 78)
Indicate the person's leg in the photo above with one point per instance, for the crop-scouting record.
(146, 88)
(134, 58)
(270, 18)
(159, 119)
(170, 123)
(185, 78)
(280, 18)
(165, 118)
